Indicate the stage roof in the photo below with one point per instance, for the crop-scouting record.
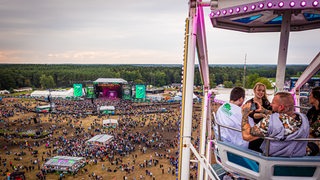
(111, 80)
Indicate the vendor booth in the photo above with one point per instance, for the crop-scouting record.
(100, 140)
(44, 108)
(107, 110)
(110, 123)
(64, 164)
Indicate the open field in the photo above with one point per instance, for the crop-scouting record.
(145, 145)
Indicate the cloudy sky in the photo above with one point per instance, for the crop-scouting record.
(128, 32)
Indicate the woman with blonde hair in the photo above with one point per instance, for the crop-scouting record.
(260, 97)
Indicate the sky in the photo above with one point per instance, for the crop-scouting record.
(129, 32)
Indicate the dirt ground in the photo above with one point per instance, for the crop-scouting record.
(12, 146)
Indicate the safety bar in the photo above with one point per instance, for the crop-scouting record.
(268, 139)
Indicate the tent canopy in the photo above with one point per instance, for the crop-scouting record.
(54, 94)
(109, 121)
(100, 139)
(103, 108)
(66, 161)
(180, 94)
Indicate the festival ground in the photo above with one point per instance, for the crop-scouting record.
(159, 132)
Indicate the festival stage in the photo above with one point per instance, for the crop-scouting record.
(109, 88)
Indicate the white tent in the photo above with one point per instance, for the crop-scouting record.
(110, 123)
(108, 108)
(100, 140)
(54, 94)
(177, 98)
(155, 97)
(64, 163)
(4, 92)
(180, 94)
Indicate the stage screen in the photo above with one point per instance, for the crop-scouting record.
(77, 90)
(140, 91)
(90, 92)
(126, 92)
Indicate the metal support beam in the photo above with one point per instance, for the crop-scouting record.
(187, 95)
(312, 69)
(204, 72)
(283, 50)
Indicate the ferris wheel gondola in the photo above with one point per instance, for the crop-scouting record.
(251, 16)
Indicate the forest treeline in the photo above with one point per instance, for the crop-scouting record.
(43, 76)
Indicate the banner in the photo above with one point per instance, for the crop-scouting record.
(140, 91)
(90, 92)
(77, 90)
(126, 92)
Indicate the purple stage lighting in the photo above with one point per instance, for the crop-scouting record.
(253, 7)
(230, 11)
(224, 12)
(315, 3)
(269, 4)
(245, 8)
(238, 9)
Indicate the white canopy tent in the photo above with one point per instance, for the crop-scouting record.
(54, 94)
(110, 108)
(100, 140)
(64, 163)
(180, 94)
(155, 97)
(107, 109)
(110, 123)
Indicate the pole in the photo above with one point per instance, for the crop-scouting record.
(244, 71)
(283, 50)
(187, 95)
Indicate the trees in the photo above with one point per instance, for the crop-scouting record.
(252, 79)
(62, 75)
(47, 82)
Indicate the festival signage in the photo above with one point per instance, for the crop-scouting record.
(126, 92)
(140, 91)
(90, 92)
(77, 90)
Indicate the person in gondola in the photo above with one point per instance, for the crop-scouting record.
(260, 97)
(313, 115)
(229, 114)
(282, 124)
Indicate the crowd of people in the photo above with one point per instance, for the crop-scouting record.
(142, 129)
(145, 130)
